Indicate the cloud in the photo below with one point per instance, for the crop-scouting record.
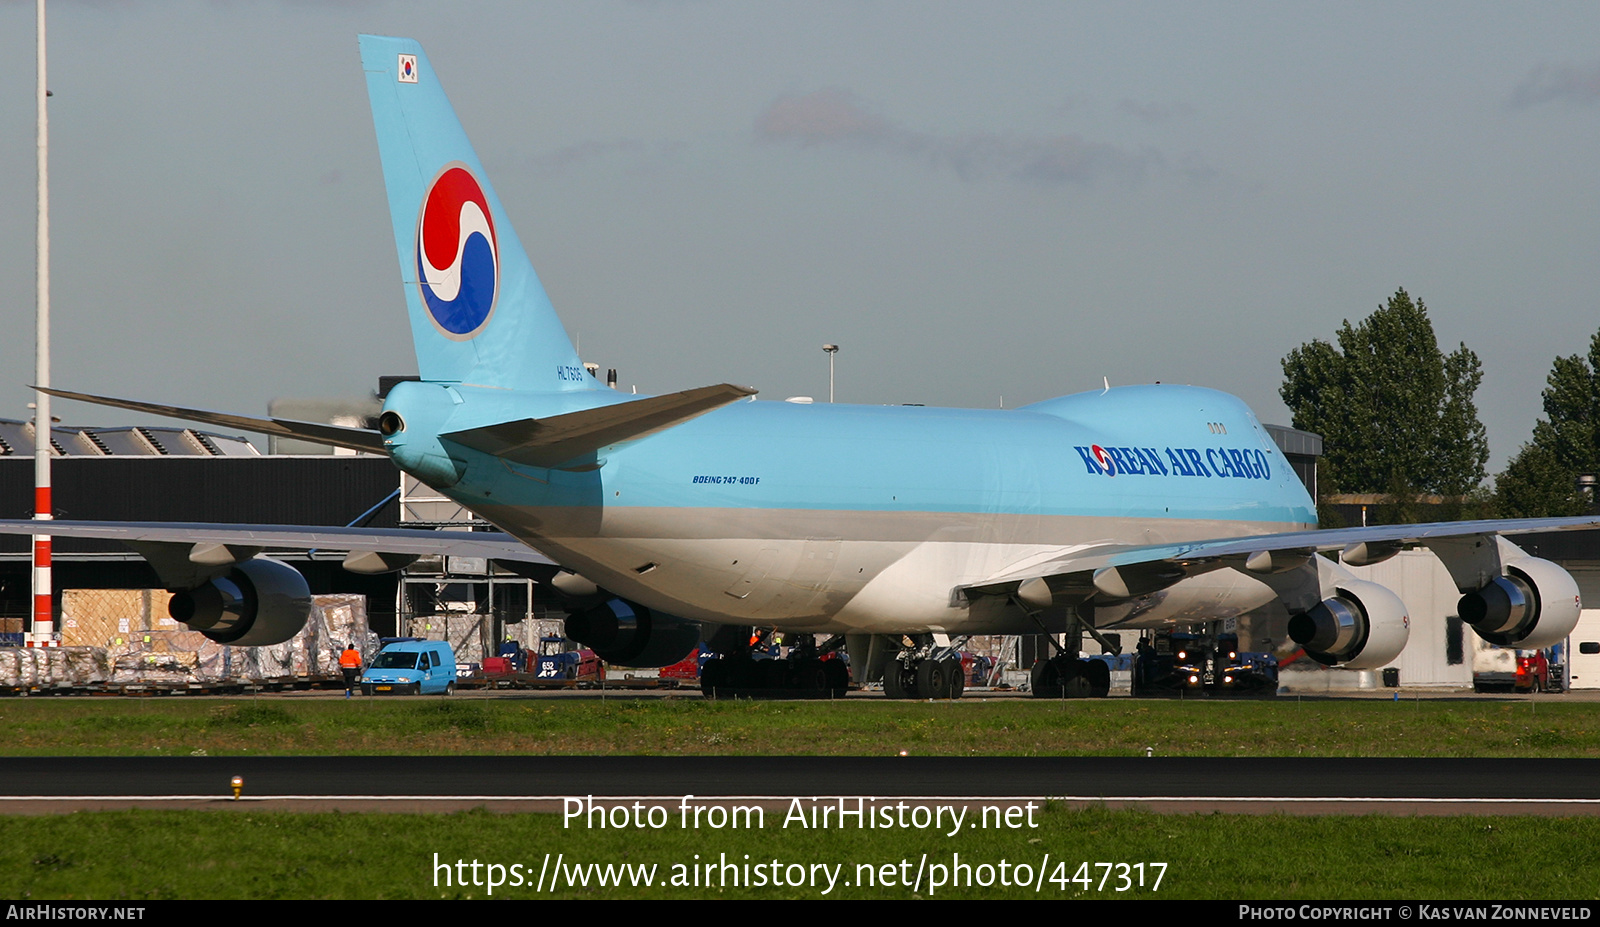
(834, 116)
(1154, 112)
(1557, 83)
(830, 115)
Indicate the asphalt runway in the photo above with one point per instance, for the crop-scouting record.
(541, 784)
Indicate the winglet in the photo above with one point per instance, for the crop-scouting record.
(559, 439)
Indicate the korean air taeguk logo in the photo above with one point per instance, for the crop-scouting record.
(458, 255)
(1099, 458)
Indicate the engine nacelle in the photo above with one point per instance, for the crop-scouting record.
(1535, 604)
(1364, 626)
(625, 634)
(261, 602)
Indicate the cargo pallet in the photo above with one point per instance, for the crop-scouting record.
(178, 687)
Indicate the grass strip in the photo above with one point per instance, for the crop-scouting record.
(154, 855)
(271, 726)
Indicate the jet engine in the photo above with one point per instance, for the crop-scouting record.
(1363, 626)
(260, 602)
(1535, 604)
(627, 634)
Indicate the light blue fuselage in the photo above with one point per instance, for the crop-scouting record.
(845, 517)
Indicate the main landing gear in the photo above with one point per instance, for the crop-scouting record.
(924, 670)
(1067, 675)
(749, 667)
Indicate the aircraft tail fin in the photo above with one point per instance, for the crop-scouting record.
(478, 311)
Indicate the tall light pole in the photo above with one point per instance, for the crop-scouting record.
(832, 349)
(43, 613)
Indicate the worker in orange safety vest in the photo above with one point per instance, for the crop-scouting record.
(350, 662)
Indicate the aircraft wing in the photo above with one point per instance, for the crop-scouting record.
(1123, 570)
(359, 439)
(398, 541)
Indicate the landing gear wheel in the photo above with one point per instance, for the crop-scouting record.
(1045, 679)
(1098, 675)
(958, 679)
(1077, 684)
(933, 679)
(1063, 677)
(894, 681)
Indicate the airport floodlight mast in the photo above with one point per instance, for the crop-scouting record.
(832, 349)
(43, 588)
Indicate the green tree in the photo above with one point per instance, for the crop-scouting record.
(1542, 479)
(1396, 415)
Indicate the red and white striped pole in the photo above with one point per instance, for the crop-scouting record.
(44, 625)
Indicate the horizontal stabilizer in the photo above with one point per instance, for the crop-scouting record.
(558, 439)
(360, 439)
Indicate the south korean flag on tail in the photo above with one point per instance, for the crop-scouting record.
(408, 69)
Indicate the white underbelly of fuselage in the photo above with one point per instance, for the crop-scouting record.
(834, 584)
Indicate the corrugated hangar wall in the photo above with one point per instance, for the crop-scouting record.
(322, 490)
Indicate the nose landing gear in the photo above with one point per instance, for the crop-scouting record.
(924, 670)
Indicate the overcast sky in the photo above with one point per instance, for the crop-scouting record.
(979, 202)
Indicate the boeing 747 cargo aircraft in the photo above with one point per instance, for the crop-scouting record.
(702, 514)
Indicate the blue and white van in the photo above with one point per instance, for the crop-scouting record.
(411, 666)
